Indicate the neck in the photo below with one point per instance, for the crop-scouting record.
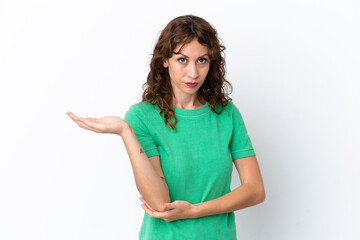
(189, 103)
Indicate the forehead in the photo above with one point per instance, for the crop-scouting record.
(192, 48)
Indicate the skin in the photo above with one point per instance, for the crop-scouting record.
(149, 179)
(107, 124)
(250, 193)
(191, 65)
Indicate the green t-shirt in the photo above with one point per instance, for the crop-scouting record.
(197, 162)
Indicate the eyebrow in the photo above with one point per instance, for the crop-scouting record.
(188, 57)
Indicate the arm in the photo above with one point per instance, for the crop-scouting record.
(250, 193)
(149, 178)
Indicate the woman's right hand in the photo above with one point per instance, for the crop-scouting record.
(108, 124)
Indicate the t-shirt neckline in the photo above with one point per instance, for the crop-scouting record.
(192, 112)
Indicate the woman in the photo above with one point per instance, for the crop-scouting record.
(184, 137)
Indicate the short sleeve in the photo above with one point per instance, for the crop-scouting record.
(137, 121)
(240, 144)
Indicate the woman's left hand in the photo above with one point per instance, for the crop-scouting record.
(172, 211)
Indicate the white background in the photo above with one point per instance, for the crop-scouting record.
(294, 66)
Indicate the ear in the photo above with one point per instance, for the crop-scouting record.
(166, 63)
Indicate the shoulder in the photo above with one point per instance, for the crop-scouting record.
(228, 108)
(141, 113)
(143, 108)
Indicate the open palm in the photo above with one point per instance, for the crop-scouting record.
(107, 124)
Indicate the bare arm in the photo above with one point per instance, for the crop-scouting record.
(250, 193)
(149, 178)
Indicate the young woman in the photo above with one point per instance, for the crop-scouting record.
(184, 137)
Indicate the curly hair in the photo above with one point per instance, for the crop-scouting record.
(157, 88)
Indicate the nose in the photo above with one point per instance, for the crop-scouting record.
(193, 71)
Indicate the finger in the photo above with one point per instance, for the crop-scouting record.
(74, 117)
(154, 213)
(148, 211)
(143, 200)
(70, 114)
(91, 119)
(168, 206)
(88, 125)
(83, 125)
(93, 124)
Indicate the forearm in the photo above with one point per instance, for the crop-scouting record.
(148, 182)
(241, 197)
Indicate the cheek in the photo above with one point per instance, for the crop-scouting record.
(205, 70)
(174, 74)
(178, 71)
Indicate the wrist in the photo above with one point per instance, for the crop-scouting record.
(195, 211)
(126, 130)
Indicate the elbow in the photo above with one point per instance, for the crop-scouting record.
(260, 195)
(156, 201)
(159, 204)
(257, 193)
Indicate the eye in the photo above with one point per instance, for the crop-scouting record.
(181, 60)
(203, 60)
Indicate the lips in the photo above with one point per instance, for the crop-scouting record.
(190, 84)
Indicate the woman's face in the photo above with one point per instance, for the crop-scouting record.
(188, 69)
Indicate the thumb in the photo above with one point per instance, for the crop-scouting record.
(167, 206)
